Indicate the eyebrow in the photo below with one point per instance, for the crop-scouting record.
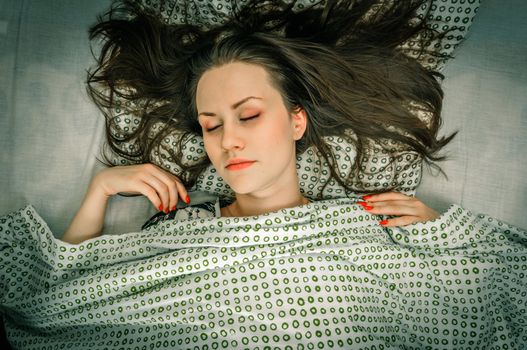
(234, 106)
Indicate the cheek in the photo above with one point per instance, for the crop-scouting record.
(278, 132)
(212, 148)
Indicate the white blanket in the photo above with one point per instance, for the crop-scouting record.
(323, 275)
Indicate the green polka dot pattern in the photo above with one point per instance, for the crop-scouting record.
(324, 275)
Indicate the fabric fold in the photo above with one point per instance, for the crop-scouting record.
(322, 273)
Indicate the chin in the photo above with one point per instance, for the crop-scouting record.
(241, 187)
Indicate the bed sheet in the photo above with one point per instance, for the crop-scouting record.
(322, 275)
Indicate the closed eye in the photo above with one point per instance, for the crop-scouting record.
(245, 119)
(211, 129)
(254, 116)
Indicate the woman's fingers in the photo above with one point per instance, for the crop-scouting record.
(151, 193)
(393, 207)
(161, 187)
(387, 196)
(182, 191)
(401, 221)
(171, 189)
(172, 195)
(408, 209)
(177, 190)
(167, 186)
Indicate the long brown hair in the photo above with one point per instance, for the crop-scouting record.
(344, 62)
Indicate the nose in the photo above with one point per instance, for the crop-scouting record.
(232, 137)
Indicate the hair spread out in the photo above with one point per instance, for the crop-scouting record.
(344, 62)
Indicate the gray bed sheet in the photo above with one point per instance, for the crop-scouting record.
(50, 132)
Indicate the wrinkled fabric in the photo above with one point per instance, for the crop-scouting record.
(318, 276)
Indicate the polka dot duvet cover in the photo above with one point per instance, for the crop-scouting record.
(324, 275)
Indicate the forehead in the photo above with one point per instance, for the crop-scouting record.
(232, 82)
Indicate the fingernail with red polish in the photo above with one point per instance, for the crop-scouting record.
(173, 208)
(362, 203)
(161, 207)
(366, 197)
(383, 222)
(187, 200)
(368, 207)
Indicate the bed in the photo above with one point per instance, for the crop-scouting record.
(51, 133)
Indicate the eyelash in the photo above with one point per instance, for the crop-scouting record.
(214, 128)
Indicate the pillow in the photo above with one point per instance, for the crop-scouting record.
(455, 16)
(404, 173)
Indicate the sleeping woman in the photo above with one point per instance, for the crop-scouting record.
(270, 267)
(258, 99)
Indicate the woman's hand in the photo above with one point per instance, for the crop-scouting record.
(161, 187)
(409, 209)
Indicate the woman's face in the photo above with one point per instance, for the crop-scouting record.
(243, 116)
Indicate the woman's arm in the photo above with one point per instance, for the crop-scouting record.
(89, 220)
(159, 186)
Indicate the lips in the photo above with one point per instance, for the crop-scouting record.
(238, 164)
(234, 161)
